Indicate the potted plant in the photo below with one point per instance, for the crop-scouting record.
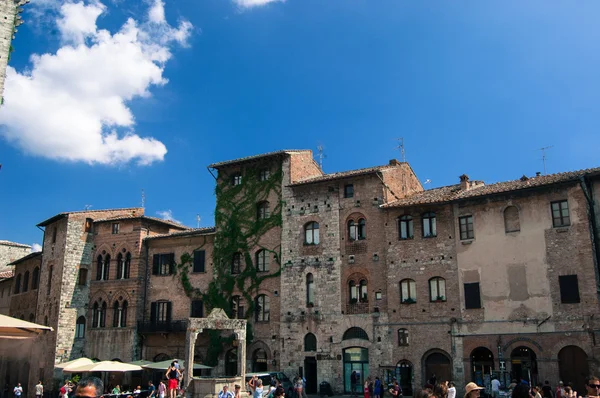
(353, 301)
(409, 300)
(310, 305)
(440, 298)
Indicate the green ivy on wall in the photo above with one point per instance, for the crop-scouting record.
(238, 231)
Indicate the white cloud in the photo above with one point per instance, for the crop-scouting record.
(72, 105)
(254, 3)
(167, 215)
(36, 247)
(156, 14)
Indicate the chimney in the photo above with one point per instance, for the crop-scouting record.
(394, 162)
(464, 182)
(538, 173)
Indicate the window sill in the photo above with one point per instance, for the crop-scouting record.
(579, 302)
(198, 272)
(429, 237)
(408, 302)
(467, 241)
(562, 229)
(411, 238)
(438, 301)
(311, 244)
(402, 345)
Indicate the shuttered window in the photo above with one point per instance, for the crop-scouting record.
(160, 312)
(197, 310)
(163, 264)
(199, 261)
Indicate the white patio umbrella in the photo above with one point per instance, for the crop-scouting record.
(74, 363)
(13, 328)
(104, 366)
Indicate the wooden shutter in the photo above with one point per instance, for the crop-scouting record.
(171, 258)
(197, 309)
(569, 289)
(199, 260)
(156, 264)
(153, 310)
(472, 295)
(169, 311)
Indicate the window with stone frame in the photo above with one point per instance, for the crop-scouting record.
(511, 219)
(560, 214)
(18, 284)
(237, 308)
(161, 312)
(120, 314)
(408, 292)
(115, 228)
(236, 263)
(429, 224)
(99, 314)
(262, 308)
(197, 309)
(236, 179)
(569, 289)
(437, 289)
(405, 227)
(357, 289)
(123, 265)
(88, 225)
(262, 210)
(79, 327)
(199, 261)
(311, 233)
(472, 295)
(467, 230)
(262, 260)
(82, 277)
(357, 228)
(402, 337)
(102, 267)
(310, 342)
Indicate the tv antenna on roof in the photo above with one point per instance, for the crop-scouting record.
(198, 220)
(321, 156)
(401, 147)
(544, 156)
(87, 207)
(143, 199)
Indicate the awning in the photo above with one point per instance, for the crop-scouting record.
(104, 366)
(164, 365)
(13, 328)
(141, 362)
(75, 363)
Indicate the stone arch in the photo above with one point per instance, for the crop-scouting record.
(555, 349)
(260, 345)
(103, 247)
(436, 363)
(524, 341)
(358, 322)
(100, 295)
(161, 357)
(120, 293)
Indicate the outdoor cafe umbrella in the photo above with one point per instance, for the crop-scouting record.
(104, 366)
(165, 364)
(74, 364)
(13, 328)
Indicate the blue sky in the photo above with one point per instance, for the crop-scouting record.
(473, 87)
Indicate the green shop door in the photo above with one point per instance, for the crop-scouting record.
(356, 359)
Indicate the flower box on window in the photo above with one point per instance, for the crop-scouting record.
(409, 301)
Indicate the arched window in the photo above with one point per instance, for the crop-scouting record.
(362, 229)
(80, 328)
(236, 263)
(353, 291)
(311, 233)
(262, 210)
(429, 225)
(127, 266)
(261, 308)
(116, 314)
(35, 278)
(363, 295)
(103, 266)
(408, 293)
(352, 230)
(262, 261)
(355, 333)
(437, 289)
(405, 227)
(120, 265)
(26, 282)
(18, 284)
(98, 315)
(310, 342)
(402, 337)
(259, 361)
(106, 267)
(511, 219)
(123, 322)
(310, 290)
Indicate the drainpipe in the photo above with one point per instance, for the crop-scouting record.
(586, 187)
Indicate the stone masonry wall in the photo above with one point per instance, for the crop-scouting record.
(10, 252)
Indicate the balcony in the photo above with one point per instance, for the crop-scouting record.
(162, 327)
(357, 308)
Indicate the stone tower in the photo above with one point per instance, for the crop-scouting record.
(9, 21)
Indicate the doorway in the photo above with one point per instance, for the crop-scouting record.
(231, 362)
(404, 374)
(356, 359)
(524, 365)
(437, 368)
(573, 366)
(259, 361)
(310, 374)
(482, 363)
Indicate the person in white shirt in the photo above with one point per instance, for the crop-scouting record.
(18, 390)
(495, 387)
(451, 390)
(225, 393)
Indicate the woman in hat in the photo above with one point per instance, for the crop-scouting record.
(473, 390)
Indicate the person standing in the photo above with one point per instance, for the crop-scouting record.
(353, 382)
(238, 391)
(256, 386)
(18, 390)
(377, 387)
(39, 389)
(495, 387)
(472, 390)
(151, 390)
(451, 390)
(116, 390)
(366, 387)
(162, 389)
(560, 390)
(173, 375)
(547, 390)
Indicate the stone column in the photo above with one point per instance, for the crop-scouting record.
(241, 336)
(190, 342)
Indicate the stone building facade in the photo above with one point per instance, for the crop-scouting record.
(6, 286)
(11, 251)
(362, 270)
(10, 20)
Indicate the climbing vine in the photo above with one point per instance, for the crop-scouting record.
(238, 232)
